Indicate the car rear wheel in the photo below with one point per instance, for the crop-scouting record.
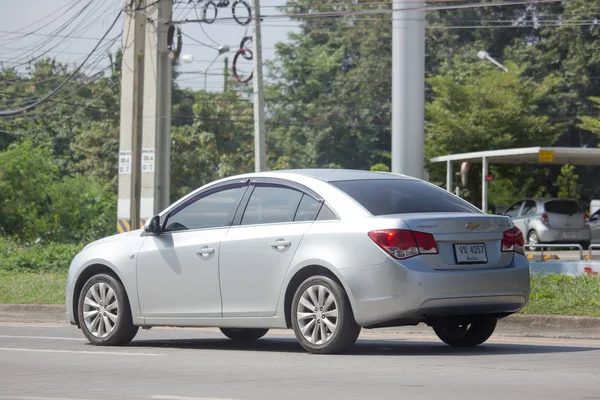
(532, 239)
(466, 332)
(244, 333)
(322, 317)
(104, 312)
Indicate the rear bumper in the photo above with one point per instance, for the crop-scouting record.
(551, 235)
(410, 290)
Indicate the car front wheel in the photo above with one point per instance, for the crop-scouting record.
(104, 312)
(467, 331)
(322, 317)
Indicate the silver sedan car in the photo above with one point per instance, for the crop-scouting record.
(324, 252)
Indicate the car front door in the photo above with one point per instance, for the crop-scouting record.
(256, 254)
(178, 270)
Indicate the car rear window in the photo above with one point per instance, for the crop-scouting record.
(568, 207)
(402, 196)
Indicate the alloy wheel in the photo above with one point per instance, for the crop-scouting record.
(317, 314)
(100, 310)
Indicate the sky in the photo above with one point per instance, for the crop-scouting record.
(26, 27)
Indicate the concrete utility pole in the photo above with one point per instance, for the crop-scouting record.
(132, 77)
(260, 162)
(408, 87)
(156, 138)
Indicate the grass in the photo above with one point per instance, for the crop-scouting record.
(550, 295)
(32, 287)
(564, 295)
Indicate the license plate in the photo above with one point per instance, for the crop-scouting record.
(470, 253)
(570, 235)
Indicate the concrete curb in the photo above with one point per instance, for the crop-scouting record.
(549, 326)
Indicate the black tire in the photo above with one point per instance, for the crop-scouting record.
(466, 332)
(346, 331)
(244, 333)
(530, 235)
(124, 330)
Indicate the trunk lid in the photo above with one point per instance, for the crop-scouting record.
(464, 240)
(564, 214)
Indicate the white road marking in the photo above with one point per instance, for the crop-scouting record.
(41, 337)
(169, 397)
(116, 353)
(36, 398)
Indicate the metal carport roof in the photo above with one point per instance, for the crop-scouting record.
(527, 155)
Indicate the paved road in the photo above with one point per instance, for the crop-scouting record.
(43, 362)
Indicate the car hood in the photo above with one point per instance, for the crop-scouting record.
(112, 238)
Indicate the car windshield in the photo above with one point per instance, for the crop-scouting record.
(568, 207)
(401, 196)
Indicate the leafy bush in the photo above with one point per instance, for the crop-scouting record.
(36, 205)
(40, 257)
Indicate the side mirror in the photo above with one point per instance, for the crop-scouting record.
(153, 226)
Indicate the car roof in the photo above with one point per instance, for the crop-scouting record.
(332, 174)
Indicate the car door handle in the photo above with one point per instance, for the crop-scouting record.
(281, 244)
(205, 251)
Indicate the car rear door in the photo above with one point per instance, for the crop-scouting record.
(527, 217)
(255, 255)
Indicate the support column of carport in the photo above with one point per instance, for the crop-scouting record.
(484, 184)
(449, 176)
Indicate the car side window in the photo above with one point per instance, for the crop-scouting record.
(214, 210)
(530, 208)
(326, 214)
(271, 204)
(513, 211)
(308, 209)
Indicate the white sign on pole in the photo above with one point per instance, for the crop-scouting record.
(125, 162)
(148, 158)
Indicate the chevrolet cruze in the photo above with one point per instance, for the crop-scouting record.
(323, 252)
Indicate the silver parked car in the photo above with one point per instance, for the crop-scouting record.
(594, 225)
(324, 252)
(550, 221)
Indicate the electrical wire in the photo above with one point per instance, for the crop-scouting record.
(10, 113)
(44, 42)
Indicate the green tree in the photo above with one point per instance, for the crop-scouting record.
(589, 123)
(478, 107)
(217, 142)
(26, 179)
(329, 105)
(567, 182)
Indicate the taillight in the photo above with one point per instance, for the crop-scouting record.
(403, 244)
(544, 218)
(513, 241)
(586, 218)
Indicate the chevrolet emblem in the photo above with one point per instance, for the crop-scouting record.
(471, 226)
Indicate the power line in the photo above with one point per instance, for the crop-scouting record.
(9, 113)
